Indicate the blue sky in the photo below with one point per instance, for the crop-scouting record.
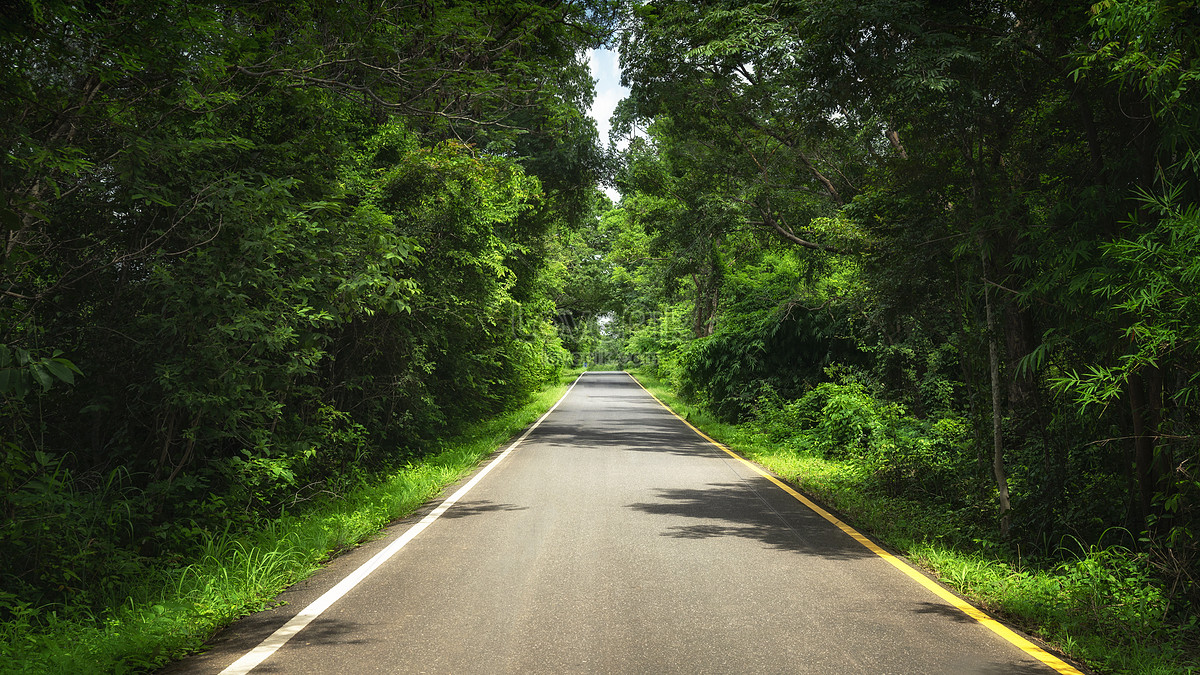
(606, 70)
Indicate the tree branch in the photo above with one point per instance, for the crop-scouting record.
(787, 234)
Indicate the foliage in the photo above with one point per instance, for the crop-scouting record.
(900, 454)
(19, 370)
(254, 254)
(175, 606)
(783, 351)
(1101, 603)
(989, 214)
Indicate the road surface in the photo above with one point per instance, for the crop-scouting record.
(615, 539)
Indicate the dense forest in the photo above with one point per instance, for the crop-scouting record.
(954, 245)
(981, 212)
(258, 253)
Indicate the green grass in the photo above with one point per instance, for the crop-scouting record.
(172, 613)
(1097, 606)
(1094, 607)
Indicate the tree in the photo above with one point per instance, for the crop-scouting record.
(285, 243)
(977, 157)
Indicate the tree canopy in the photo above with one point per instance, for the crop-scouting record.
(982, 212)
(254, 252)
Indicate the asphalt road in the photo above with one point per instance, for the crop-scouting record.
(614, 539)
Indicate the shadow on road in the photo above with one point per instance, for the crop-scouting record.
(475, 508)
(738, 510)
(635, 432)
(945, 611)
(1014, 669)
(325, 632)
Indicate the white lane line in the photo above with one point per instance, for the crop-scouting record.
(280, 637)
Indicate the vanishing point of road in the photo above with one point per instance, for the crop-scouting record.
(615, 539)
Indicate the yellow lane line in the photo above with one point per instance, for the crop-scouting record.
(962, 605)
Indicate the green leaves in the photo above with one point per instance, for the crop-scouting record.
(1151, 282)
(19, 370)
(290, 244)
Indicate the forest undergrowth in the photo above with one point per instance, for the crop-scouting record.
(175, 608)
(1099, 604)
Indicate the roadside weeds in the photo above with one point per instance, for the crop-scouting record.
(1097, 606)
(175, 611)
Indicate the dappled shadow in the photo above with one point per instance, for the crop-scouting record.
(666, 437)
(330, 631)
(741, 510)
(750, 509)
(474, 508)
(636, 396)
(1014, 669)
(620, 416)
(943, 610)
(956, 615)
(322, 632)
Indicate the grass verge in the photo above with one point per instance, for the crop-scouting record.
(175, 611)
(1097, 605)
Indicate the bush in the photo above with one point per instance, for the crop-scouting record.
(899, 453)
(777, 349)
(67, 547)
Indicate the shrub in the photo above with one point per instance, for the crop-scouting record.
(896, 451)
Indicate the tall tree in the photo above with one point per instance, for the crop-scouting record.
(986, 150)
(283, 243)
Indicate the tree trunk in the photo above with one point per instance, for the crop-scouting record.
(894, 137)
(1019, 339)
(1143, 448)
(1151, 462)
(708, 298)
(997, 438)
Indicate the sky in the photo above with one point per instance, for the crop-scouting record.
(606, 70)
